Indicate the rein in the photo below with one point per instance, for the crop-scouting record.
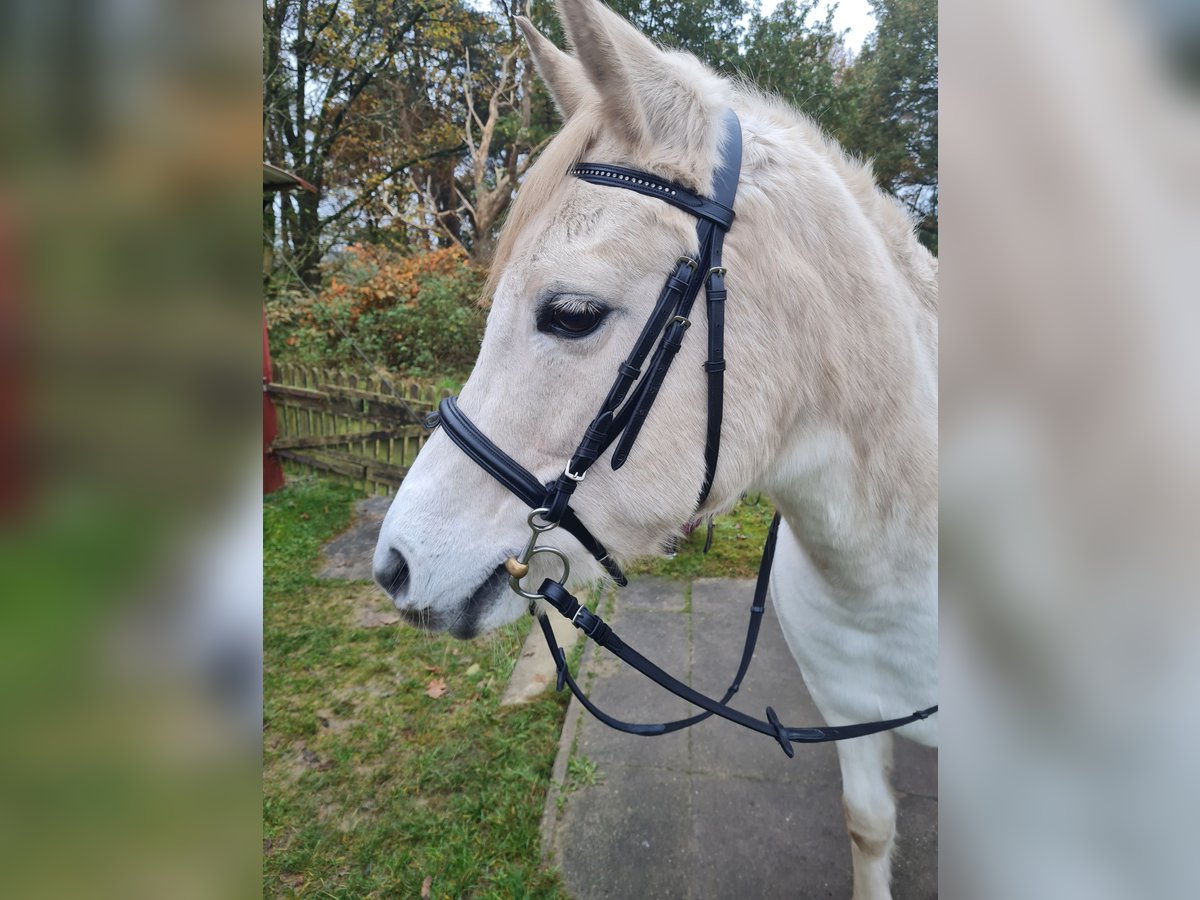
(620, 421)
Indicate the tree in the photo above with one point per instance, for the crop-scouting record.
(895, 88)
(802, 61)
(354, 93)
(501, 141)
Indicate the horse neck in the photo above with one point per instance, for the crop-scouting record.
(854, 295)
(867, 521)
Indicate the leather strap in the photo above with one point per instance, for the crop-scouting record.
(597, 437)
(715, 368)
(517, 479)
(715, 211)
(660, 364)
(600, 632)
(627, 423)
(725, 185)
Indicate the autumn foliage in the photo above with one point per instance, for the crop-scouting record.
(414, 314)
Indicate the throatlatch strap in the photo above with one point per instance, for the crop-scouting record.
(599, 631)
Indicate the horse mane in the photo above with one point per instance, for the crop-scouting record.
(538, 190)
(895, 225)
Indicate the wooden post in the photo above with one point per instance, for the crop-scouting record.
(272, 467)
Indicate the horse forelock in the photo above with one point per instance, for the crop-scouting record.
(542, 183)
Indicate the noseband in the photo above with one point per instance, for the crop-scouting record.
(619, 421)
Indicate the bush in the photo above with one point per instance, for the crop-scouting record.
(416, 315)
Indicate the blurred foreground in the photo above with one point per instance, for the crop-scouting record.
(1070, 452)
(130, 525)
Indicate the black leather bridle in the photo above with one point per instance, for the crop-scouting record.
(620, 421)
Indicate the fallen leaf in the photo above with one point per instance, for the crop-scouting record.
(427, 887)
(436, 688)
(473, 669)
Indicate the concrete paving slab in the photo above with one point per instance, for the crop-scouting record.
(621, 846)
(625, 694)
(777, 840)
(657, 594)
(916, 846)
(719, 628)
(731, 815)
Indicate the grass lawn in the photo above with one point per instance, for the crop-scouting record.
(389, 768)
(736, 548)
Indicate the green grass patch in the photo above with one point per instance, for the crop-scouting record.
(582, 772)
(738, 539)
(387, 758)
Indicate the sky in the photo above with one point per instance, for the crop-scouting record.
(854, 15)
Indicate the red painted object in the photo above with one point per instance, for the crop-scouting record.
(15, 470)
(272, 468)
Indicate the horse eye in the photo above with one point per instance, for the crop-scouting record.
(572, 322)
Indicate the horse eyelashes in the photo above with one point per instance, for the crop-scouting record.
(571, 317)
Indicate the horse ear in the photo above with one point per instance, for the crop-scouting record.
(560, 71)
(646, 92)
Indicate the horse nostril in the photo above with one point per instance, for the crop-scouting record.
(392, 575)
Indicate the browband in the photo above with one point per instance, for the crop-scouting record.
(652, 186)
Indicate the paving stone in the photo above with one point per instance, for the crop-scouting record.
(624, 693)
(915, 769)
(773, 678)
(718, 811)
(627, 837)
(658, 594)
(755, 838)
(914, 865)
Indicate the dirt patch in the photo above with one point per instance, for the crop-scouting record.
(304, 760)
(368, 607)
(375, 618)
(348, 556)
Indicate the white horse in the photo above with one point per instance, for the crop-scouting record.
(831, 389)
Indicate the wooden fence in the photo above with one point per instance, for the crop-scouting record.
(348, 425)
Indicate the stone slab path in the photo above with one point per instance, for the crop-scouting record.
(711, 812)
(714, 811)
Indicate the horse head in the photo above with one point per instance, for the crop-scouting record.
(577, 271)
